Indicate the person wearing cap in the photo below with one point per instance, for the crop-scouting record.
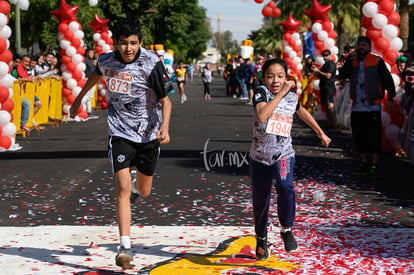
(369, 78)
(327, 76)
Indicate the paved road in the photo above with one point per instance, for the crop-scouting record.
(61, 176)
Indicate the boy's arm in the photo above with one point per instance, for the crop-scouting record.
(74, 109)
(163, 135)
(309, 120)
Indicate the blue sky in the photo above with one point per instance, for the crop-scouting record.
(238, 16)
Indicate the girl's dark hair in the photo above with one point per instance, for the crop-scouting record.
(127, 28)
(274, 61)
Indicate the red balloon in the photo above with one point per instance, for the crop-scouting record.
(276, 12)
(76, 42)
(66, 59)
(99, 24)
(5, 142)
(77, 75)
(6, 56)
(104, 105)
(290, 24)
(332, 34)
(81, 51)
(65, 12)
(63, 27)
(318, 12)
(69, 35)
(319, 44)
(390, 55)
(271, 4)
(267, 11)
(100, 98)
(71, 67)
(394, 18)
(4, 94)
(83, 114)
(287, 36)
(382, 44)
(386, 7)
(70, 98)
(81, 82)
(3, 45)
(327, 26)
(7, 105)
(1, 131)
(373, 34)
(259, 1)
(66, 92)
(367, 22)
(4, 7)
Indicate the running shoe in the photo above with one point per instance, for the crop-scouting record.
(135, 197)
(289, 241)
(262, 251)
(124, 258)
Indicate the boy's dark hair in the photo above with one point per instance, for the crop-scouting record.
(127, 28)
(274, 61)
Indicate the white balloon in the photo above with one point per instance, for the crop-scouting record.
(317, 27)
(77, 58)
(11, 92)
(329, 42)
(319, 60)
(60, 36)
(76, 91)
(23, 4)
(322, 35)
(70, 51)
(8, 43)
(315, 84)
(297, 60)
(3, 20)
(293, 54)
(9, 129)
(106, 48)
(396, 44)
(109, 33)
(396, 79)
(13, 2)
(379, 21)
(295, 36)
(103, 92)
(284, 43)
(81, 67)
(96, 36)
(71, 83)
(5, 118)
(4, 69)
(299, 84)
(300, 67)
(5, 32)
(7, 80)
(388, 66)
(64, 44)
(392, 131)
(93, 2)
(66, 108)
(288, 49)
(73, 26)
(79, 34)
(370, 9)
(389, 32)
(334, 50)
(101, 42)
(66, 76)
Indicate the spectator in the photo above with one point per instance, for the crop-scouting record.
(241, 73)
(190, 71)
(228, 71)
(327, 76)
(369, 78)
(90, 68)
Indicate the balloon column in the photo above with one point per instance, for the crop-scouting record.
(72, 55)
(7, 128)
(381, 22)
(291, 44)
(323, 33)
(103, 44)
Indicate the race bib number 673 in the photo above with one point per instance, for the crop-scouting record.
(279, 124)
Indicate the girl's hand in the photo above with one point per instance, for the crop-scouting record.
(287, 86)
(325, 140)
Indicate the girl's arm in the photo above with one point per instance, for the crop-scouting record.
(308, 119)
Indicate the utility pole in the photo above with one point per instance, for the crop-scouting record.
(218, 33)
(17, 30)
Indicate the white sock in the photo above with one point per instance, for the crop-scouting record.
(284, 230)
(125, 241)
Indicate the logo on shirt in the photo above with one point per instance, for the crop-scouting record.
(257, 97)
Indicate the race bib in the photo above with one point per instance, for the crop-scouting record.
(279, 124)
(119, 84)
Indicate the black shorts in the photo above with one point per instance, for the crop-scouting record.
(367, 131)
(124, 153)
(327, 94)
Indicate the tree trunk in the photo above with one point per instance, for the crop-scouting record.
(404, 23)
